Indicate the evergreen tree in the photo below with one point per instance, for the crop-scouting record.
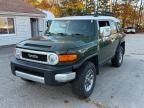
(90, 6)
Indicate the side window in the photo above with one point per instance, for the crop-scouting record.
(105, 29)
(119, 28)
(104, 23)
(114, 27)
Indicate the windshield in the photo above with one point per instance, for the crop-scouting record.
(72, 27)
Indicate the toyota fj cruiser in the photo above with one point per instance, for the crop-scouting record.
(71, 52)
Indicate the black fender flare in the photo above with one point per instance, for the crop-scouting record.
(84, 59)
(122, 40)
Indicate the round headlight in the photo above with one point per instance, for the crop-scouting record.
(53, 59)
(17, 53)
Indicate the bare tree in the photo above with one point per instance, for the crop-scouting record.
(140, 12)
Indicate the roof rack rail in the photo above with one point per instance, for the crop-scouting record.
(99, 13)
(92, 14)
(103, 13)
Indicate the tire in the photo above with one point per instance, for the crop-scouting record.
(29, 81)
(118, 58)
(82, 86)
(134, 32)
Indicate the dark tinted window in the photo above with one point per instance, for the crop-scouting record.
(130, 28)
(103, 23)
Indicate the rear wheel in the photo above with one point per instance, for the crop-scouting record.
(118, 58)
(84, 84)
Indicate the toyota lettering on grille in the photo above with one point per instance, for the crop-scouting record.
(33, 56)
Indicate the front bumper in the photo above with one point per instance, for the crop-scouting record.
(42, 73)
(131, 31)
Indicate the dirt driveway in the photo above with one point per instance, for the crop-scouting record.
(115, 87)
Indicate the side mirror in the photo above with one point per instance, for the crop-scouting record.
(105, 31)
(48, 24)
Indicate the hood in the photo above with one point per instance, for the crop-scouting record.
(53, 43)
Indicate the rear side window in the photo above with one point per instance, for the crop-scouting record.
(104, 26)
(119, 28)
(104, 23)
(130, 28)
(114, 27)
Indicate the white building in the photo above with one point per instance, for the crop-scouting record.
(19, 21)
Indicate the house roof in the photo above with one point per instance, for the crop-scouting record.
(18, 6)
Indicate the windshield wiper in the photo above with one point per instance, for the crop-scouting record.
(65, 34)
(49, 33)
(77, 34)
(62, 34)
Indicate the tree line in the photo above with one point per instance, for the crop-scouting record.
(130, 12)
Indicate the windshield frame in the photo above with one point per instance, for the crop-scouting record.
(47, 32)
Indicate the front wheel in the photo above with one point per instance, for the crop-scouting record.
(84, 84)
(118, 58)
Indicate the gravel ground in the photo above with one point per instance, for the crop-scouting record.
(115, 87)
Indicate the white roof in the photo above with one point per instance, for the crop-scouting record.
(49, 15)
(89, 18)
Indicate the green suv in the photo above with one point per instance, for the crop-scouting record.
(71, 51)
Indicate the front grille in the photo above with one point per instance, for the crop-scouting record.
(33, 56)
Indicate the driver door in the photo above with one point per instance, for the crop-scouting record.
(105, 44)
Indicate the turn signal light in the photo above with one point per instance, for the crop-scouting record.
(67, 57)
